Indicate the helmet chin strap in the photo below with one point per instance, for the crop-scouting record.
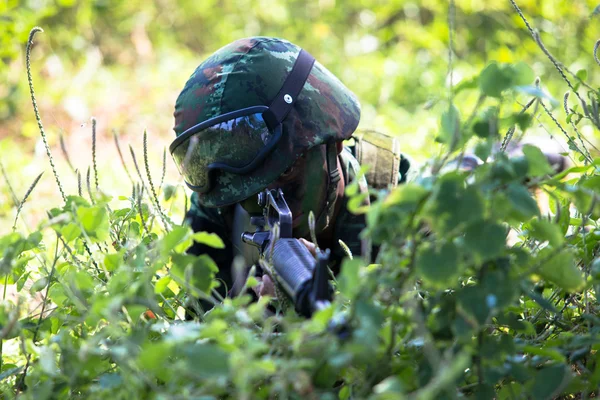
(333, 179)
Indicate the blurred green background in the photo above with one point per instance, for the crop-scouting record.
(124, 63)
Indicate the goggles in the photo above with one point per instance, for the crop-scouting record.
(240, 141)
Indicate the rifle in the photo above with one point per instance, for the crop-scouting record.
(303, 278)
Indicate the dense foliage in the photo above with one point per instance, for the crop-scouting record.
(485, 283)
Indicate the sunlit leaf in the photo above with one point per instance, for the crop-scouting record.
(559, 268)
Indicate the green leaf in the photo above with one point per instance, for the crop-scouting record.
(370, 318)
(74, 202)
(197, 271)
(522, 120)
(110, 381)
(595, 269)
(494, 79)
(48, 361)
(439, 266)
(39, 285)
(483, 149)
(465, 84)
(407, 196)
(135, 311)
(206, 360)
(485, 239)
(485, 392)
(500, 288)
(177, 240)
(549, 382)
(209, 239)
(582, 74)
(33, 241)
(153, 358)
(390, 385)
(169, 191)
(543, 230)
(522, 203)
(450, 132)
(453, 205)
(538, 163)
(113, 261)
(472, 299)
(94, 221)
(559, 267)
(161, 284)
(345, 392)
(81, 280)
(486, 125)
(6, 371)
(540, 300)
(349, 279)
(70, 232)
(591, 182)
(522, 74)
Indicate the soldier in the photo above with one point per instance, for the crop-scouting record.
(262, 113)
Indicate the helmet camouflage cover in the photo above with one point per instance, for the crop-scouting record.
(250, 72)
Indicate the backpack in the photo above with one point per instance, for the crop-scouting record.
(381, 153)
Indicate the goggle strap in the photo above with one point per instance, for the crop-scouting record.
(288, 94)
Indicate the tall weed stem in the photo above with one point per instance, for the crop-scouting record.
(36, 111)
(162, 216)
(94, 165)
(116, 138)
(13, 195)
(35, 182)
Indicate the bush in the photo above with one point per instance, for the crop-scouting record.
(451, 307)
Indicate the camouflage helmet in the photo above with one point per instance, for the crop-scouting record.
(247, 74)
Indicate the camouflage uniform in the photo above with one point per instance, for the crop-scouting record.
(247, 73)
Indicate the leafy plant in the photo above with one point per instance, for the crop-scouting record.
(479, 289)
